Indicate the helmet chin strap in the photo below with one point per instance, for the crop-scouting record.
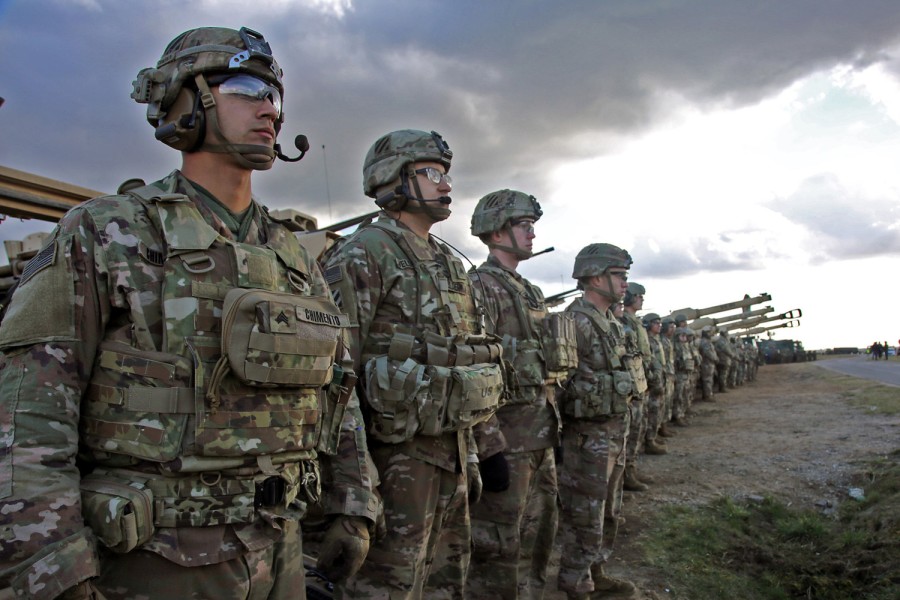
(249, 156)
(424, 206)
(520, 253)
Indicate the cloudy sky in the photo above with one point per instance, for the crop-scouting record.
(732, 146)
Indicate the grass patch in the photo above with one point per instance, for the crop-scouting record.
(768, 551)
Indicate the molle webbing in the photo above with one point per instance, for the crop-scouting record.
(605, 336)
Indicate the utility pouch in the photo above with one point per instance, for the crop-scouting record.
(119, 512)
(560, 344)
(623, 390)
(473, 394)
(280, 339)
(635, 366)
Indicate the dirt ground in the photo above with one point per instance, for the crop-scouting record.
(786, 435)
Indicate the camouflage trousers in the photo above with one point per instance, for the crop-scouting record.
(680, 398)
(707, 370)
(637, 428)
(425, 552)
(513, 532)
(652, 415)
(665, 409)
(591, 475)
(722, 374)
(274, 572)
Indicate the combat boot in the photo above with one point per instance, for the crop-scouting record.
(665, 431)
(654, 447)
(606, 586)
(632, 483)
(680, 421)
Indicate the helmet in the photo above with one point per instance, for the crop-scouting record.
(394, 151)
(706, 331)
(634, 289)
(496, 209)
(648, 319)
(595, 259)
(680, 318)
(171, 89)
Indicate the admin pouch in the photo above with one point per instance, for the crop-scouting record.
(280, 339)
(120, 512)
(408, 398)
(606, 395)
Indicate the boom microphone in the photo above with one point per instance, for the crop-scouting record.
(302, 145)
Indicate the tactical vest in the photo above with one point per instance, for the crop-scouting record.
(547, 348)
(601, 385)
(232, 407)
(633, 357)
(684, 356)
(437, 374)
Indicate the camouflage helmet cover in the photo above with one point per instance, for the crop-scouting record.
(594, 259)
(207, 51)
(634, 288)
(648, 319)
(680, 318)
(494, 210)
(395, 150)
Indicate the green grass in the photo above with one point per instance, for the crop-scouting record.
(766, 550)
(862, 393)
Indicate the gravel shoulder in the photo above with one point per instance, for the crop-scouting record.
(788, 435)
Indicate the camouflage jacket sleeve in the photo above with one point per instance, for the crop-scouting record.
(488, 436)
(350, 477)
(48, 341)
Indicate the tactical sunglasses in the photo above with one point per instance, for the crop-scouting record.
(249, 87)
(435, 176)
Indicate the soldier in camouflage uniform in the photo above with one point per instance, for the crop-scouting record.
(182, 344)
(656, 382)
(684, 366)
(430, 371)
(638, 347)
(513, 531)
(726, 356)
(595, 408)
(710, 361)
(666, 338)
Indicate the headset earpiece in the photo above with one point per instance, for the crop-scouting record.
(393, 200)
(184, 125)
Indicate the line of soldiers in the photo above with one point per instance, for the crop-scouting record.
(180, 381)
(677, 365)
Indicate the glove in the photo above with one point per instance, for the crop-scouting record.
(495, 473)
(344, 548)
(473, 475)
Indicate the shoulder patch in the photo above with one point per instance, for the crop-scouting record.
(44, 259)
(334, 274)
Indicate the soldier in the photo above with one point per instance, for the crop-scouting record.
(196, 440)
(431, 374)
(656, 382)
(513, 531)
(710, 360)
(725, 354)
(684, 366)
(638, 347)
(667, 341)
(595, 408)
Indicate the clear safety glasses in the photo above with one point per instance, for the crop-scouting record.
(249, 87)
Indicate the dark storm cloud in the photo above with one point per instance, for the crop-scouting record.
(842, 224)
(515, 87)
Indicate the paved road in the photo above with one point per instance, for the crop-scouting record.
(883, 371)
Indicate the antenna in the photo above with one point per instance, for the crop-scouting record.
(327, 188)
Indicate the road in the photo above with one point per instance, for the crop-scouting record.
(883, 371)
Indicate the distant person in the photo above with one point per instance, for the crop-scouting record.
(886, 351)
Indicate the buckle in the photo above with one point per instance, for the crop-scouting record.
(271, 491)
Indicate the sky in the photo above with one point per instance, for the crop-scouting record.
(731, 146)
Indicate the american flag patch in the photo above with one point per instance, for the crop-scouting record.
(44, 259)
(333, 274)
